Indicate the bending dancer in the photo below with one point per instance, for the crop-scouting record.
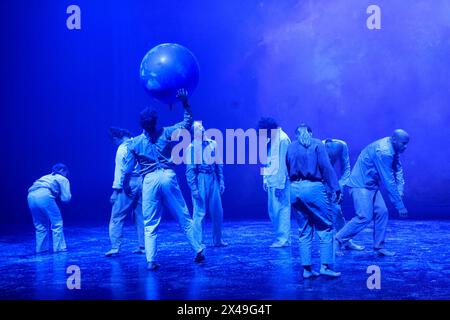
(42, 196)
(124, 199)
(152, 150)
(276, 182)
(379, 163)
(338, 152)
(314, 190)
(205, 178)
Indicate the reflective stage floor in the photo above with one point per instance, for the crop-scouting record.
(246, 269)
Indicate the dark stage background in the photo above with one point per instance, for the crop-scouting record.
(298, 61)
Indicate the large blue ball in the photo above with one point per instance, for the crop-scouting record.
(167, 68)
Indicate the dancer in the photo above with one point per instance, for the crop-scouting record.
(276, 182)
(153, 151)
(338, 152)
(204, 175)
(124, 198)
(42, 196)
(314, 192)
(379, 163)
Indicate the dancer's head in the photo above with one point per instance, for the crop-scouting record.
(118, 135)
(266, 125)
(333, 146)
(197, 130)
(61, 169)
(303, 133)
(149, 119)
(400, 140)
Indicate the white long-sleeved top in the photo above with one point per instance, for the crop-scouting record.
(120, 155)
(379, 164)
(276, 173)
(151, 155)
(58, 185)
(201, 157)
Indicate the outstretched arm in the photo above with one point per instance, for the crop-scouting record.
(187, 120)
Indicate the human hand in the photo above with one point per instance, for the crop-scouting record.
(265, 186)
(182, 95)
(113, 197)
(222, 188)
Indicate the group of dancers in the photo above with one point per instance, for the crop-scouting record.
(299, 177)
(306, 184)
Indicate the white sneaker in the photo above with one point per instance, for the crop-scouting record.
(328, 272)
(309, 274)
(112, 252)
(278, 244)
(139, 251)
(353, 246)
(221, 244)
(384, 252)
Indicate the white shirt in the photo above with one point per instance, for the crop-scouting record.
(120, 154)
(58, 185)
(275, 174)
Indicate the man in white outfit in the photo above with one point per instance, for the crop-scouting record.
(153, 151)
(42, 196)
(276, 182)
(378, 164)
(338, 153)
(127, 198)
(204, 175)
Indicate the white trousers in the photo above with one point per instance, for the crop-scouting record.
(44, 209)
(280, 213)
(160, 188)
(210, 202)
(369, 206)
(314, 212)
(124, 204)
